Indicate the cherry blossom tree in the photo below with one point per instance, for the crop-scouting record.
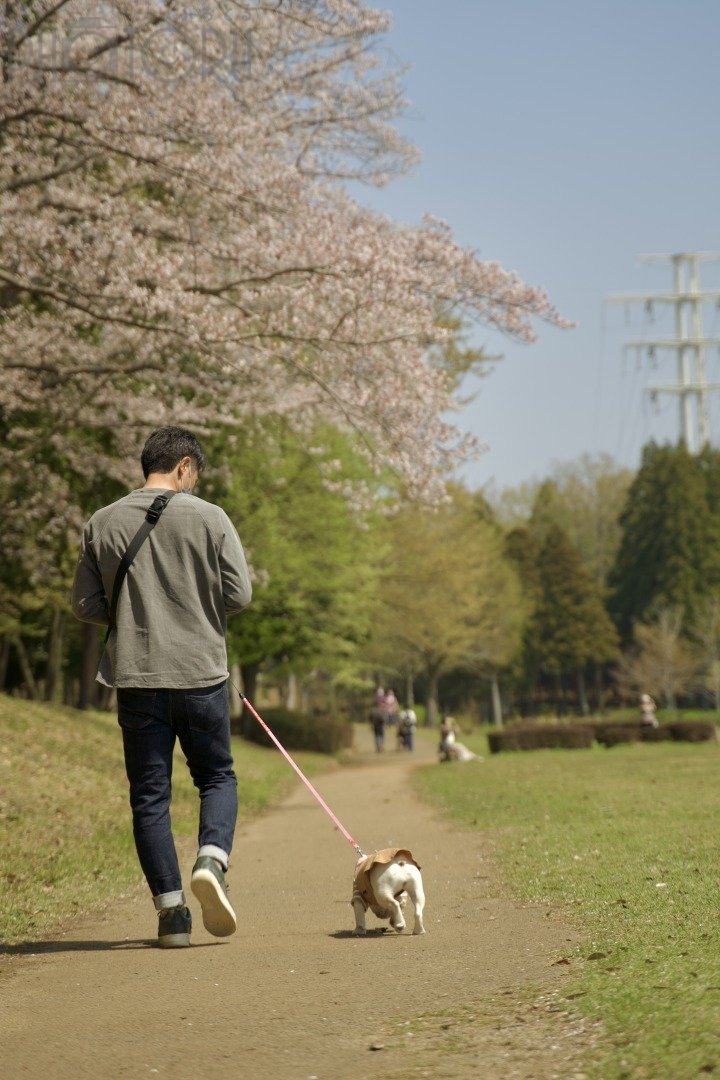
(176, 244)
(173, 227)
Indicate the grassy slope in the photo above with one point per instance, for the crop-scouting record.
(65, 829)
(625, 844)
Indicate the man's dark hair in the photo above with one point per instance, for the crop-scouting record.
(166, 447)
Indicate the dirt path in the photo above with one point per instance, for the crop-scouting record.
(292, 995)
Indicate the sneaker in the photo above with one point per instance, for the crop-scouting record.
(174, 926)
(208, 885)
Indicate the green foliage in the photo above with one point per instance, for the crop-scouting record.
(41, 536)
(522, 547)
(448, 596)
(310, 547)
(704, 633)
(670, 549)
(584, 497)
(311, 552)
(569, 626)
(297, 731)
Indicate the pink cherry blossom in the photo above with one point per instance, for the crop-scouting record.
(177, 244)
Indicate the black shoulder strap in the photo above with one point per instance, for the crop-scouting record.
(151, 519)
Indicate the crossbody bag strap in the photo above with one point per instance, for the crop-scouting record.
(151, 519)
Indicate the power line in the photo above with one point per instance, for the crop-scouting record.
(688, 343)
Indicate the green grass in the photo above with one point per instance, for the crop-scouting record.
(65, 828)
(624, 844)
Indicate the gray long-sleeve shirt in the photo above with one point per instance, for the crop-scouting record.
(187, 577)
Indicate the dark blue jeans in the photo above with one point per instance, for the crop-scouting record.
(151, 720)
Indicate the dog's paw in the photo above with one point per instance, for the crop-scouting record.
(359, 931)
(398, 927)
(416, 932)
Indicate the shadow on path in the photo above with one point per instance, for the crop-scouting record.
(36, 948)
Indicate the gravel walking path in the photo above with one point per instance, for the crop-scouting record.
(293, 995)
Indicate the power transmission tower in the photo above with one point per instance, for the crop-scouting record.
(689, 342)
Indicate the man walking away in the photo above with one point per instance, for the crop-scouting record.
(165, 652)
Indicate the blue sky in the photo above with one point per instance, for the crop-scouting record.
(564, 138)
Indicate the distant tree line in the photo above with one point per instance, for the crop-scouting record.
(568, 596)
(621, 573)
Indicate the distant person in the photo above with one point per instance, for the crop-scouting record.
(647, 711)
(166, 654)
(447, 736)
(377, 722)
(390, 706)
(407, 722)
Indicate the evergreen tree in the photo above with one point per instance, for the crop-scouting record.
(705, 636)
(570, 626)
(584, 497)
(669, 554)
(522, 548)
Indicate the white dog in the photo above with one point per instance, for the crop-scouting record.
(452, 750)
(383, 882)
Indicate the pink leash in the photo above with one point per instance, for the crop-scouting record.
(303, 777)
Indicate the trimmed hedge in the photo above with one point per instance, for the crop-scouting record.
(298, 731)
(628, 724)
(693, 731)
(541, 737)
(607, 732)
(614, 734)
(656, 734)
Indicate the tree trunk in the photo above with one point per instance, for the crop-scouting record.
(496, 700)
(409, 690)
(292, 691)
(599, 689)
(305, 700)
(431, 701)
(72, 692)
(88, 697)
(669, 695)
(54, 675)
(4, 658)
(558, 693)
(249, 681)
(582, 696)
(26, 668)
